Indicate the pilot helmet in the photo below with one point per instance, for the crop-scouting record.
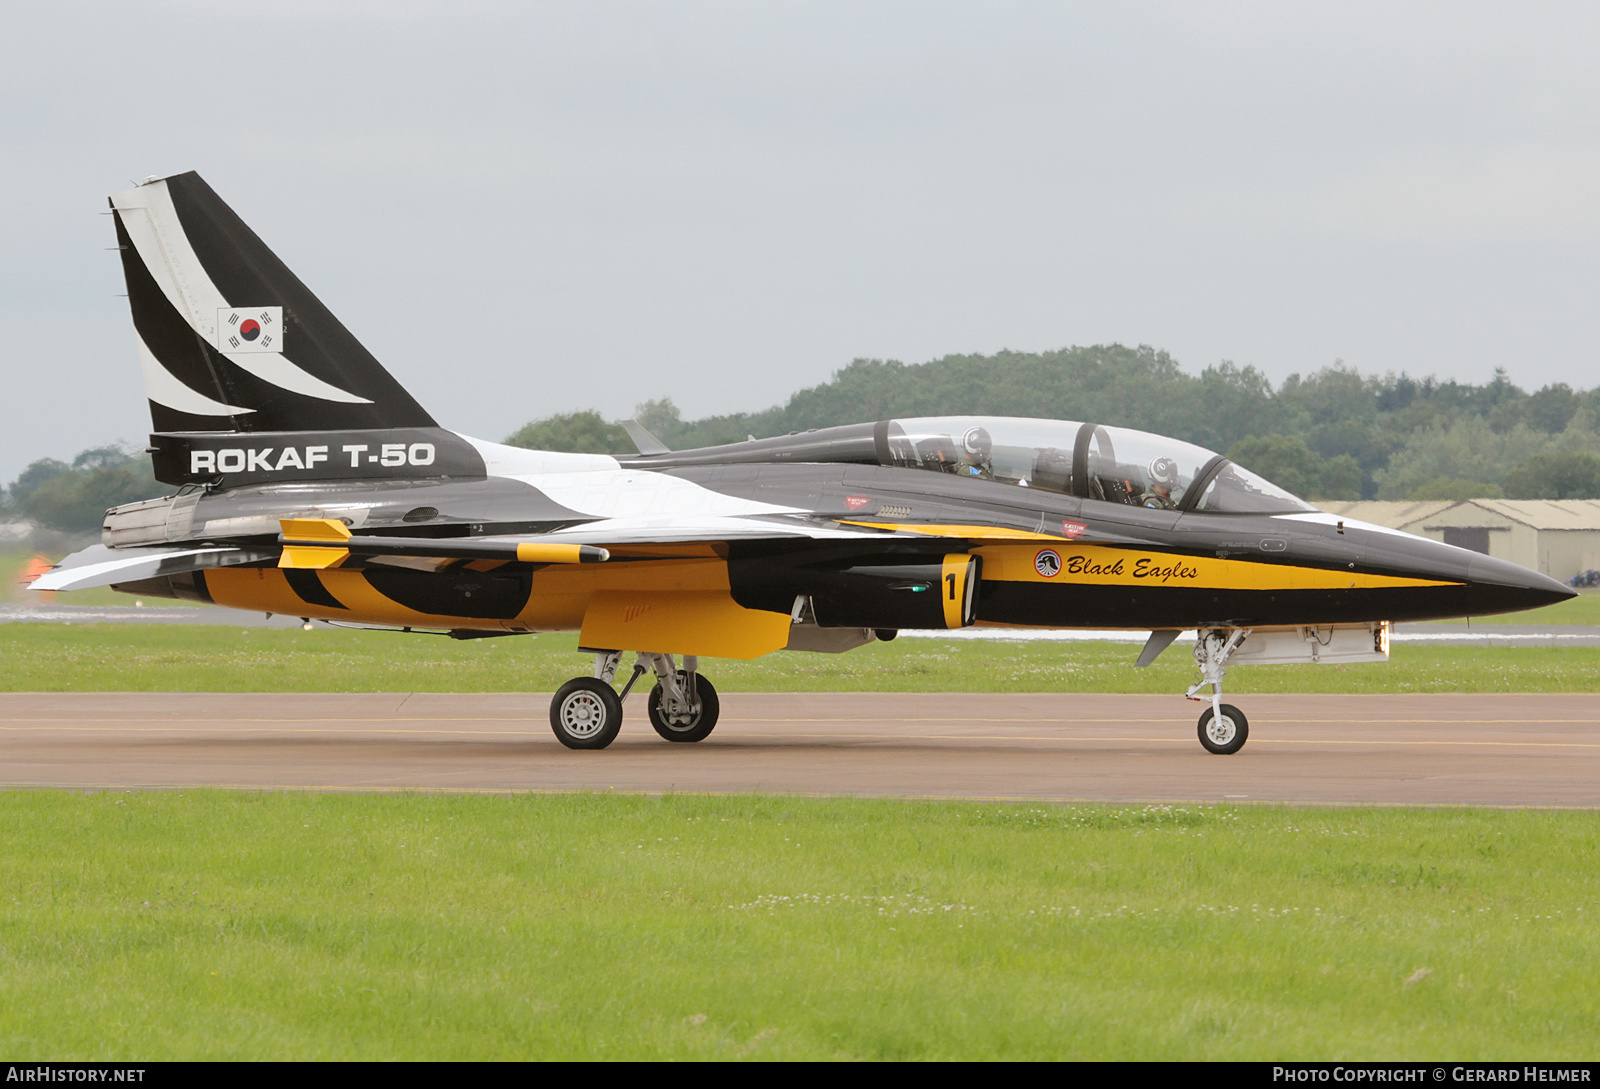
(977, 443)
(1164, 472)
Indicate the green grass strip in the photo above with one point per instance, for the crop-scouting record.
(206, 924)
(192, 658)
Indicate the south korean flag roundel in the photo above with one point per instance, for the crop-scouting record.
(250, 329)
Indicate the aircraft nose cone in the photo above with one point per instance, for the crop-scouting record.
(1512, 586)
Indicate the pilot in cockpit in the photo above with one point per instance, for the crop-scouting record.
(1163, 478)
(977, 453)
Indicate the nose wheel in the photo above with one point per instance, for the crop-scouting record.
(1223, 730)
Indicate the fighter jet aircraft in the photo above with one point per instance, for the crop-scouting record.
(309, 483)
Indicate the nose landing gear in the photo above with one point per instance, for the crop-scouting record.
(1223, 729)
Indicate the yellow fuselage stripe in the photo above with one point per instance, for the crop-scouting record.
(1098, 565)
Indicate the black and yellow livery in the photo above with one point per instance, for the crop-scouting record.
(311, 484)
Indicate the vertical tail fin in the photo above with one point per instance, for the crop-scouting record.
(230, 339)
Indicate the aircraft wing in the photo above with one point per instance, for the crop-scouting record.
(321, 543)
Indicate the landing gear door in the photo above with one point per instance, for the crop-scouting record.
(958, 589)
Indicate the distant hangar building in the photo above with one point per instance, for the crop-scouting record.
(1557, 537)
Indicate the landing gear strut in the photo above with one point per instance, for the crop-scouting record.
(1223, 729)
(683, 705)
(586, 712)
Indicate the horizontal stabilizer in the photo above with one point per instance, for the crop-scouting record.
(102, 566)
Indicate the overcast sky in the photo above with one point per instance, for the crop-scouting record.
(528, 208)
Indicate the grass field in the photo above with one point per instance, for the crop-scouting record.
(185, 658)
(299, 926)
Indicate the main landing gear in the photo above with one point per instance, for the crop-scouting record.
(586, 712)
(1223, 729)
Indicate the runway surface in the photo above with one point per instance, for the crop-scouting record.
(1503, 750)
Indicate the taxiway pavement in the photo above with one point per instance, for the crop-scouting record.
(1484, 749)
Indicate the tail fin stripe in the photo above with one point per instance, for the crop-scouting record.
(164, 388)
(163, 264)
(273, 367)
(162, 244)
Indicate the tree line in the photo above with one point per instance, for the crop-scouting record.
(1331, 434)
(73, 498)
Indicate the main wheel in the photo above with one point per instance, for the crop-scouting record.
(1226, 735)
(586, 714)
(693, 724)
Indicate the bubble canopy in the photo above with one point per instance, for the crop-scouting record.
(1091, 461)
